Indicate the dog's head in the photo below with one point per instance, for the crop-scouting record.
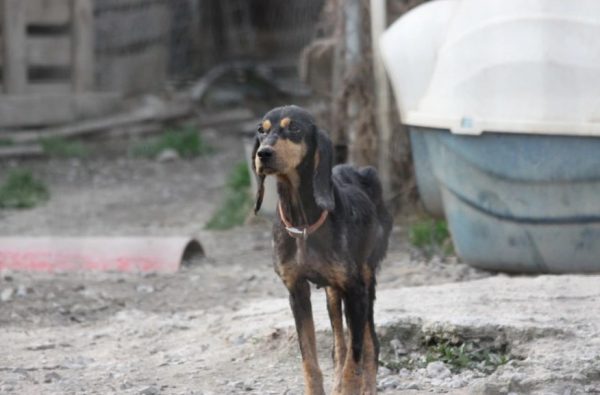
(288, 143)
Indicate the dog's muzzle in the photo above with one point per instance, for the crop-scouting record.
(265, 154)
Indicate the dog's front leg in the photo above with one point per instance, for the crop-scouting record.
(302, 309)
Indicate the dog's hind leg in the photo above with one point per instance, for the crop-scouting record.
(370, 345)
(334, 308)
(302, 310)
(357, 309)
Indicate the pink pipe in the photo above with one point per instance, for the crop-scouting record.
(123, 254)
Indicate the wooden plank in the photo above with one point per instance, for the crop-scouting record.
(49, 51)
(83, 45)
(21, 151)
(143, 120)
(142, 115)
(48, 12)
(152, 26)
(15, 55)
(46, 88)
(111, 5)
(137, 73)
(382, 97)
(18, 111)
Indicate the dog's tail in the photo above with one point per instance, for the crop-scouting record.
(372, 187)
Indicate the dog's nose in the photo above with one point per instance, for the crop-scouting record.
(265, 153)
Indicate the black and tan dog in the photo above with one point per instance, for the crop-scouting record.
(333, 231)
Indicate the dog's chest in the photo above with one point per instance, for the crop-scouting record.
(313, 267)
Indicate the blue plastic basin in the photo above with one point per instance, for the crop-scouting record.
(514, 202)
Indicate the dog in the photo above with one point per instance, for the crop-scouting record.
(332, 230)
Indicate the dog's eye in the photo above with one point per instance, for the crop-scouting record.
(293, 127)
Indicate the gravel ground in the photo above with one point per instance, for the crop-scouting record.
(220, 326)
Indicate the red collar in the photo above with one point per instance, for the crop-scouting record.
(301, 231)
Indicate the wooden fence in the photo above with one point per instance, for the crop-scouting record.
(47, 62)
(132, 44)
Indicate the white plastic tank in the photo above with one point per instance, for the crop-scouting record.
(516, 66)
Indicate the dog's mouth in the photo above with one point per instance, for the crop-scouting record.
(266, 170)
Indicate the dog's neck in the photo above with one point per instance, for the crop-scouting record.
(297, 199)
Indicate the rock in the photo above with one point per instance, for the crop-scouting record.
(126, 385)
(167, 155)
(592, 389)
(389, 382)
(383, 371)
(145, 289)
(398, 347)
(22, 291)
(404, 372)
(437, 370)
(77, 362)
(413, 385)
(456, 382)
(436, 382)
(152, 390)
(52, 377)
(6, 294)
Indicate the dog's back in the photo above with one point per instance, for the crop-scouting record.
(361, 194)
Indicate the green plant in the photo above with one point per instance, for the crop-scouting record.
(6, 142)
(22, 190)
(186, 141)
(404, 362)
(237, 202)
(431, 236)
(466, 355)
(62, 148)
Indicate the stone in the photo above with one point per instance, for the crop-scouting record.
(398, 347)
(389, 382)
(438, 370)
(167, 155)
(145, 289)
(456, 382)
(152, 390)
(6, 294)
(52, 377)
(22, 291)
(413, 385)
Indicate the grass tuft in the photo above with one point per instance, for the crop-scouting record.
(6, 142)
(237, 201)
(457, 353)
(21, 190)
(59, 147)
(432, 237)
(186, 141)
(466, 355)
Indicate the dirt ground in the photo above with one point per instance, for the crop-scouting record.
(101, 333)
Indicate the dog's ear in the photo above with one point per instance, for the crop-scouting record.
(322, 184)
(260, 179)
